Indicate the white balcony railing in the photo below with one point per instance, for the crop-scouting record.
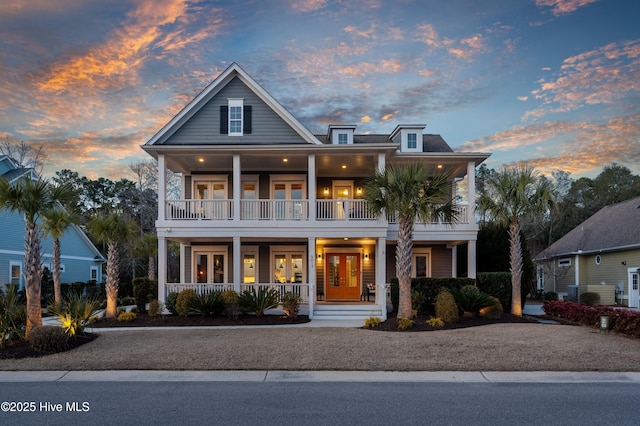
(301, 289)
(461, 217)
(277, 210)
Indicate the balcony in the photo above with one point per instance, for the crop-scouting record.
(355, 210)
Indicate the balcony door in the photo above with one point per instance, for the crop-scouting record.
(343, 276)
(210, 267)
(288, 196)
(212, 196)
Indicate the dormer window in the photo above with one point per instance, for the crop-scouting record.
(412, 140)
(341, 134)
(235, 118)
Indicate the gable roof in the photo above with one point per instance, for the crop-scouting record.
(234, 70)
(613, 228)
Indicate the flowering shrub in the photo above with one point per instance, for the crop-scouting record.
(621, 320)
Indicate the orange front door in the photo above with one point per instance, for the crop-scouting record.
(343, 276)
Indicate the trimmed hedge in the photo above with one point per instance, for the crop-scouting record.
(623, 321)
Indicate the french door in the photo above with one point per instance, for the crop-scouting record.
(288, 267)
(209, 267)
(343, 276)
(213, 195)
(288, 200)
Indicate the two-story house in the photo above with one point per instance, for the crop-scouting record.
(265, 202)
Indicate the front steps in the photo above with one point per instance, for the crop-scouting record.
(346, 312)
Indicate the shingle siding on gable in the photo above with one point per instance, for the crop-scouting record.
(204, 127)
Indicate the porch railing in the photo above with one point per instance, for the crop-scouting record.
(276, 210)
(461, 217)
(300, 289)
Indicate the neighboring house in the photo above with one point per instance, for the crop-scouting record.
(80, 260)
(267, 203)
(602, 254)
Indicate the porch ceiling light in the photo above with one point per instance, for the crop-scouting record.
(344, 166)
(200, 160)
(285, 160)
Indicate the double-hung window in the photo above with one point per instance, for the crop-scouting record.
(235, 117)
(412, 140)
(343, 139)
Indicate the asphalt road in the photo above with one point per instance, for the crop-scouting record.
(332, 401)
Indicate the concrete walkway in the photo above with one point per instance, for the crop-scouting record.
(320, 376)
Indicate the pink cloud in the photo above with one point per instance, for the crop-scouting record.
(562, 7)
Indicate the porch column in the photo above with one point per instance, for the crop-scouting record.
(381, 284)
(237, 264)
(381, 162)
(183, 263)
(471, 259)
(311, 274)
(162, 268)
(311, 196)
(236, 187)
(471, 208)
(454, 261)
(162, 188)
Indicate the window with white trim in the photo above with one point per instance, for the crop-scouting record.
(421, 263)
(343, 139)
(412, 140)
(235, 117)
(15, 269)
(93, 273)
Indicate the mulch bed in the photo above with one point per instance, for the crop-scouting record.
(22, 348)
(420, 323)
(143, 320)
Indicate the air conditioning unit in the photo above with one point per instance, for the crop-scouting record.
(572, 291)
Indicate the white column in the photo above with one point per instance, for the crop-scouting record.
(471, 177)
(381, 279)
(311, 196)
(576, 275)
(454, 262)
(471, 259)
(311, 273)
(237, 264)
(162, 269)
(162, 187)
(183, 259)
(237, 187)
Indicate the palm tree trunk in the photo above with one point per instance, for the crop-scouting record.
(515, 259)
(151, 270)
(403, 267)
(113, 279)
(55, 264)
(33, 277)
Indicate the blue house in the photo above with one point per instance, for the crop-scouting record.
(80, 260)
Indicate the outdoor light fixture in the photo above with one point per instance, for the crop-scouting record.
(366, 256)
(326, 190)
(359, 190)
(344, 166)
(319, 256)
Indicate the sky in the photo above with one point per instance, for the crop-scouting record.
(555, 83)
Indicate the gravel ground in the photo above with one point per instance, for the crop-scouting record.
(497, 347)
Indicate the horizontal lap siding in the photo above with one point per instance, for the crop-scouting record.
(204, 126)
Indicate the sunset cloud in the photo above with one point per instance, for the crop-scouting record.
(563, 7)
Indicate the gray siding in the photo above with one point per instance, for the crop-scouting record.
(440, 261)
(204, 126)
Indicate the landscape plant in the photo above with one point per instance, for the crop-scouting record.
(291, 304)
(435, 322)
(405, 324)
(372, 322)
(75, 312)
(184, 301)
(126, 316)
(258, 301)
(446, 308)
(207, 304)
(470, 300)
(170, 303)
(231, 308)
(12, 316)
(589, 298)
(48, 338)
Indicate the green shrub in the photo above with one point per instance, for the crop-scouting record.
(372, 322)
(435, 322)
(144, 290)
(230, 300)
(418, 301)
(446, 308)
(470, 300)
(126, 316)
(428, 288)
(551, 295)
(75, 312)
(48, 338)
(492, 311)
(258, 301)
(155, 308)
(13, 317)
(405, 324)
(171, 302)
(184, 302)
(589, 298)
(291, 304)
(496, 284)
(207, 304)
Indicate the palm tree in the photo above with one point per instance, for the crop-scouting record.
(56, 221)
(147, 245)
(409, 193)
(513, 194)
(112, 228)
(31, 197)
